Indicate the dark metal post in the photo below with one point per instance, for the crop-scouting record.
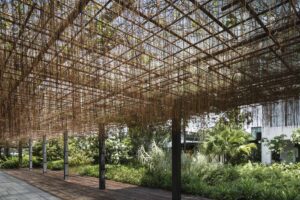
(30, 154)
(44, 154)
(184, 134)
(101, 156)
(66, 156)
(7, 153)
(20, 154)
(6, 150)
(176, 155)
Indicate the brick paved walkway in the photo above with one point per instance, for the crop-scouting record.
(15, 189)
(86, 188)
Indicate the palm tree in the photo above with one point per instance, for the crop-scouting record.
(229, 143)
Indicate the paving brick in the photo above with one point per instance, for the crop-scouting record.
(15, 189)
(86, 188)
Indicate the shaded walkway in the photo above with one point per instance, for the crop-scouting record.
(15, 189)
(81, 187)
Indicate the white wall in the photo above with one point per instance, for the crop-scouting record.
(271, 132)
(266, 155)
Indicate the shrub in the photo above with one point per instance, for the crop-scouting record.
(215, 181)
(56, 165)
(11, 163)
(296, 136)
(230, 143)
(122, 173)
(79, 159)
(37, 162)
(73, 161)
(153, 159)
(90, 170)
(277, 145)
(223, 181)
(117, 150)
(126, 174)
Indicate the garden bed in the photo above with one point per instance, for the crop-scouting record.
(247, 182)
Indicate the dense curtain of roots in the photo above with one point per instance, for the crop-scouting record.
(70, 64)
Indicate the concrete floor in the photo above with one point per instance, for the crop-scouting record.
(15, 189)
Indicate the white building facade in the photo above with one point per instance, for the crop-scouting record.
(281, 117)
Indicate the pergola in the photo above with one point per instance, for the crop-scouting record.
(75, 66)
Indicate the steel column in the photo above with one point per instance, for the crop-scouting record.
(176, 156)
(30, 154)
(66, 156)
(6, 150)
(184, 134)
(101, 157)
(44, 154)
(20, 153)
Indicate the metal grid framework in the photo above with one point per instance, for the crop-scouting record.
(74, 64)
